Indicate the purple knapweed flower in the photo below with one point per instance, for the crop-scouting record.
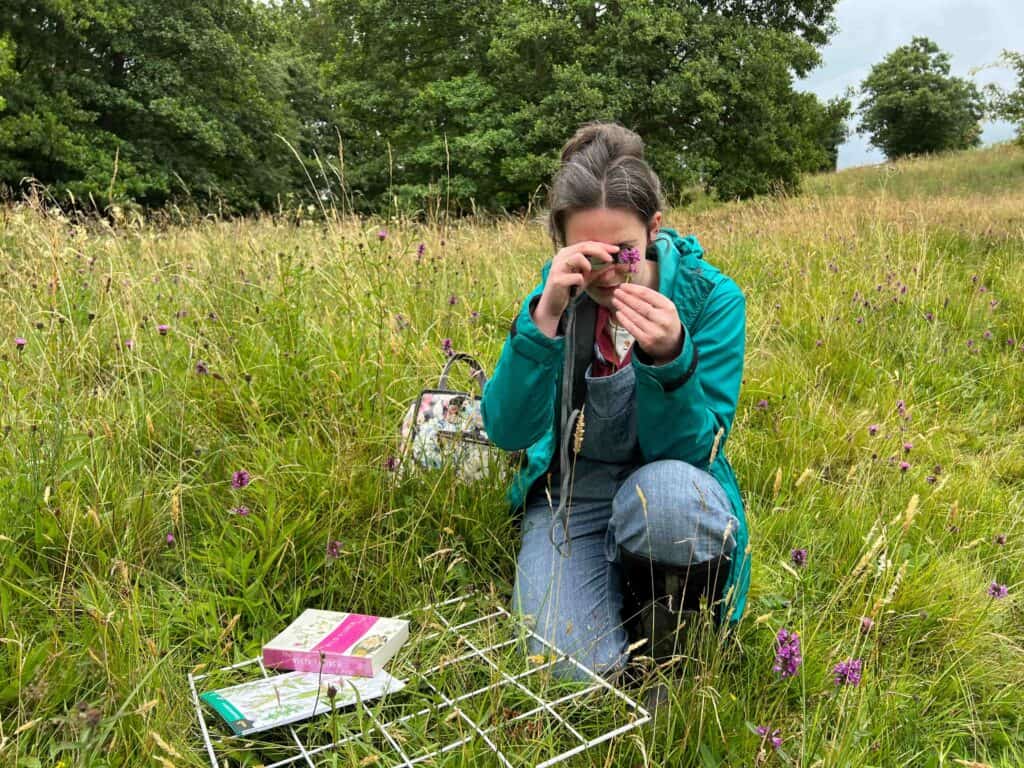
(1001, 539)
(994, 303)
(630, 257)
(998, 591)
(163, 328)
(787, 653)
(391, 463)
(866, 623)
(382, 234)
(334, 549)
(241, 510)
(872, 429)
(773, 736)
(201, 368)
(931, 479)
(901, 406)
(987, 334)
(904, 466)
(1011, 342)
(860, 321)
(762, 404)
(453, 300)
(818, 343)
(474, 315)
(929, 316)
(446, 347)
(847, 672)
(169, 538)
(907, 446)
(240, 479)
(129, 344)
(19, 343)
(799, 557)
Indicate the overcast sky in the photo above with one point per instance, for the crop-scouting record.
(973, 33)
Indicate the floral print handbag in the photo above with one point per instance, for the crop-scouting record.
(444, 427)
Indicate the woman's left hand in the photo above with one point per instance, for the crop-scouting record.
(651, 318)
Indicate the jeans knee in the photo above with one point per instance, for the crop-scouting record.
(672, 512)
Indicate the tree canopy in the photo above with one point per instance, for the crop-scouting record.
(912, 105)
(241, 105)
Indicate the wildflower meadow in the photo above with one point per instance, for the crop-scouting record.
(199, 428)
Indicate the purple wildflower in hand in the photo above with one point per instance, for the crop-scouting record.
(872, 429)
(240, 479)
(446, 346)
(630, 257)
(773, 737)
(866, 623)
(201, 368)
(334, 549)
(163, 328)
(998, 591)
(799, 557)
(19, 343)
(241, 510)
(787, 653)
(847, 672)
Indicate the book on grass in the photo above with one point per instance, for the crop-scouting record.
(335, 642)
(287, 698)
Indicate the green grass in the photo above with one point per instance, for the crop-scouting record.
(107, 450)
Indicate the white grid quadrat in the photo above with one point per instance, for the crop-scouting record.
(478, 658)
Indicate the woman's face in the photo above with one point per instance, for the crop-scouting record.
(615, 227)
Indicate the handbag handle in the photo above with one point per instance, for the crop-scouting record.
(476, 370)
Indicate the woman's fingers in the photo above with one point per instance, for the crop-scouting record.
(637, 325)
(638, 295)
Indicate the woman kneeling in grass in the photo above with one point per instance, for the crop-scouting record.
(623, 395)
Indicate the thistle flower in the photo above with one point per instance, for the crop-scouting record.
(762, 404)
(170, 538)
(1001, 539)
(872, 429)
(19, 343)
(391, 463)
(453, 300)
(129, 344)
(773, 736)
(866, 623)
(201, 368)
(630, 257)
(334, 549)
(848, 672)
(904, 466)
(382, 234)
(787, 653)
(474, 315)
(240, 479)
(929, 316)
(163, 328)
(241, 510)
(987, 334)
(907, 446)
(998, 591)
(799, 557)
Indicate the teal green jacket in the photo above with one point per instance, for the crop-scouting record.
(681, 406)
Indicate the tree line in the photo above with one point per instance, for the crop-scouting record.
(239, 106)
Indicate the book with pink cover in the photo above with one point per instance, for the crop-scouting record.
(336, 643)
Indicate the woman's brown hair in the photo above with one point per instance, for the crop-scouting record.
(602, 166)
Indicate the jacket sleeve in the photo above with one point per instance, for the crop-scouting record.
(518, 401)
(683, 404)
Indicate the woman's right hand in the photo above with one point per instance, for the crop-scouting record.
(570, 268)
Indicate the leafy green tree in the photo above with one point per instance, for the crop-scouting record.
(470, 101)
(151, 101)
(1009, 105)
(912, 105)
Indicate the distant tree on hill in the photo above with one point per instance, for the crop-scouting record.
(1009, 105)
(912, 105)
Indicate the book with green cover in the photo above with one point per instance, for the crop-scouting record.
(287, 698)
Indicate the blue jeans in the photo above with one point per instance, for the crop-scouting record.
(680, 517)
